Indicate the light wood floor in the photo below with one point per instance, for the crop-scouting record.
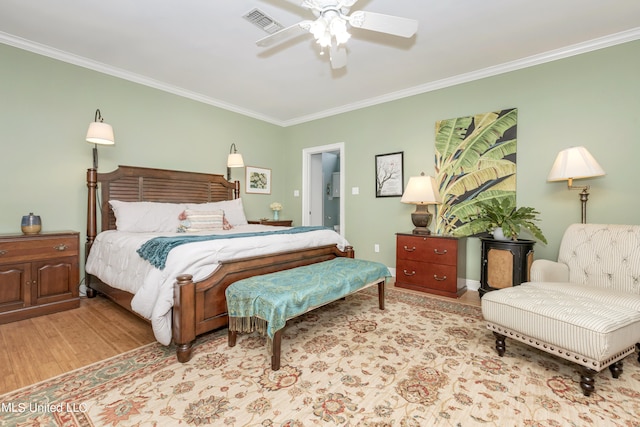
(43, 347)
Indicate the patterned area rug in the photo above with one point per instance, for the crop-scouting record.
(421, 362)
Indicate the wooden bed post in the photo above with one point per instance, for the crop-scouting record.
(184, 316)
(236, 190)
(350, 252)
(92, 185)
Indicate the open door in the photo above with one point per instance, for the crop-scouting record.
(323, 186)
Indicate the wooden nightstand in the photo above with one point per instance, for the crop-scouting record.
(280, 222)
(39, 274)
(430, 263)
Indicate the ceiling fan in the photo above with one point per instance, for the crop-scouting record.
(332, 23)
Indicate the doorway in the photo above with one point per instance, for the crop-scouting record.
(323, 178)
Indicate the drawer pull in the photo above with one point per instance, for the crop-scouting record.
(406, 273)
(61, 247)
(437, 252)
(2, 252)
(439, 279)
(409, 249)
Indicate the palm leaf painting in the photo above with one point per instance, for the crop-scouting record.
(475, 160)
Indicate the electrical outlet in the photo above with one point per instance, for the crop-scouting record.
(296, 193)
(355, 190)
(376, 248)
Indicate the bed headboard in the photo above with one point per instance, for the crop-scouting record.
(137, 184)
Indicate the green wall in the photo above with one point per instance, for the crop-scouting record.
(46, 108)
(591, 99)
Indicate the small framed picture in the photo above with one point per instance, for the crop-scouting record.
(257, 180)
(389, 174)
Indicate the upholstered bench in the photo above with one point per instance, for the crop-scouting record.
(584, 308)
(265, 303)
(579, 329)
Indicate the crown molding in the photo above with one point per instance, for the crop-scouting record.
(553, 55)
(80, 61)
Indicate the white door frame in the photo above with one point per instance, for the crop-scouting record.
(306, 180)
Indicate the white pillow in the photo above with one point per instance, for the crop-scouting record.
(233, 210)
(147, 217)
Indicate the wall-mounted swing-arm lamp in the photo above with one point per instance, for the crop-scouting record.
(234, 160)
(99, 133)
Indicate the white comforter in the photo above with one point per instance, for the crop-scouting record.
(113, 259)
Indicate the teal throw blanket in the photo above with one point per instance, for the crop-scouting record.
(156, 250)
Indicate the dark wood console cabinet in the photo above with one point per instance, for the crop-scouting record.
(39, 274)
(430, 263)
(505, 263)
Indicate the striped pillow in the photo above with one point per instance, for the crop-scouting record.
(203, 220)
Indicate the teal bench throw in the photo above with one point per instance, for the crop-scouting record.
(265, 303)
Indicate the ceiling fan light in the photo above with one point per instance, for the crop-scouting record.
(318, 28)
(342, 38)
(325, 40)
(338, 28)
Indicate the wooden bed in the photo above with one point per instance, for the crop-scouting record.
(198, 307)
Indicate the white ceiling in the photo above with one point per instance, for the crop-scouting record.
(205, 49)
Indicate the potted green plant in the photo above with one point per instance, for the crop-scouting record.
(502, 217)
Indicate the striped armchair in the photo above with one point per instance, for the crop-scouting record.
(585, 307)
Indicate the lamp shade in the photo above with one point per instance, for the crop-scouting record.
(100, 133)
(235, 161)
(573, 163)
(421, 190)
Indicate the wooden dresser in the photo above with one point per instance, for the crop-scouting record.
(431, 263)
(39, 274)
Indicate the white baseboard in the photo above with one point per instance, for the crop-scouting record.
(472, 285)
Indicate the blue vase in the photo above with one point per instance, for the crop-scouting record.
(275, 215)
(31, 224)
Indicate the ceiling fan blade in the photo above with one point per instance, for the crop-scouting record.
(284, 34)
(338, 56)
(295, 2)
(395, 25)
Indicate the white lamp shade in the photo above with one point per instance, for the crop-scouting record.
(100, 133)
(421, 190)
(574, 162)
(235, 161)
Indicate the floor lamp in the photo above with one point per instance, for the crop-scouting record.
(576, 163)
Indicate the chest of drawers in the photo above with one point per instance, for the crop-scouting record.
(431, 264)
(39, 274)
